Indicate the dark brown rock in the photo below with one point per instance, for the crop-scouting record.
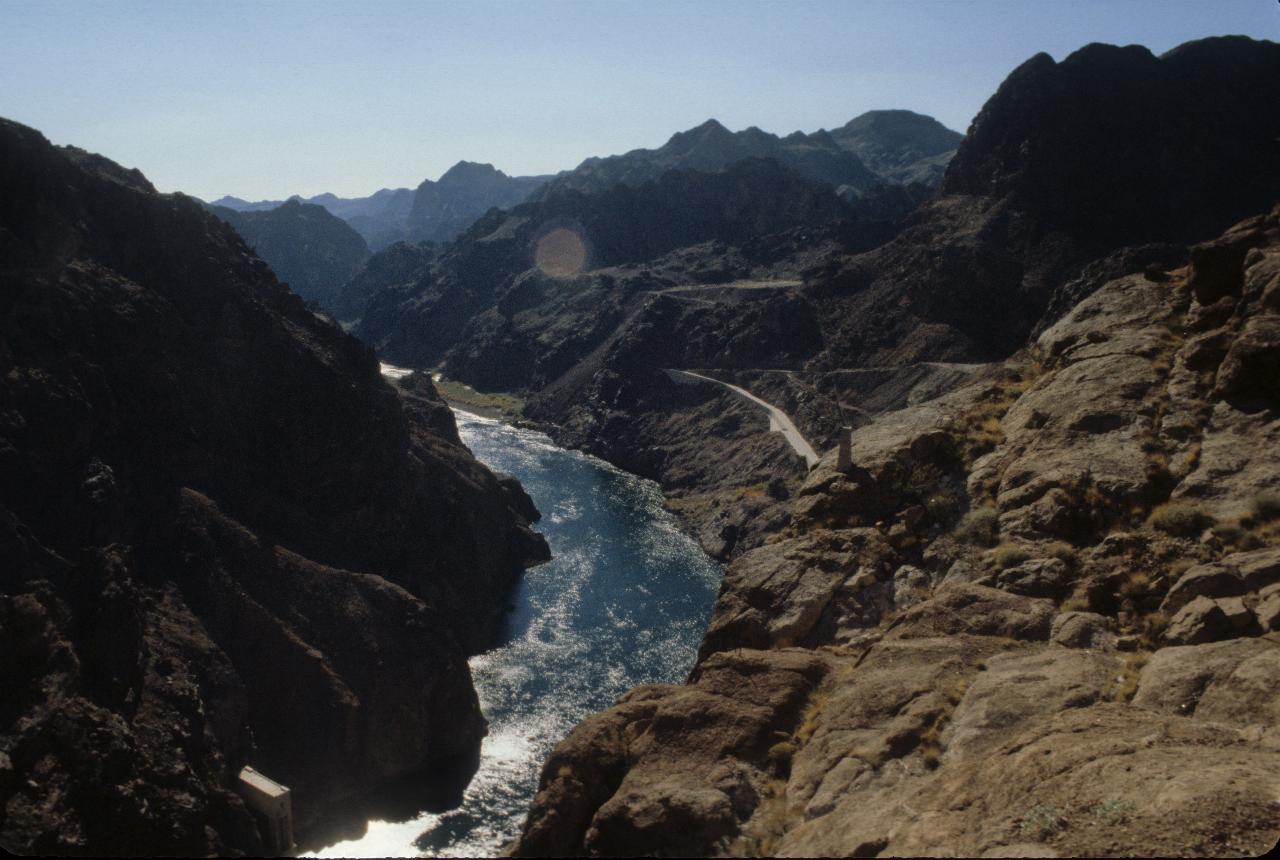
(192, 467)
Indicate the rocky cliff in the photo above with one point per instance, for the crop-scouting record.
(1037, 615)
(226, 539)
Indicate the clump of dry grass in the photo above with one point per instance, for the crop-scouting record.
(1075, 603)
(1136, 585)
(1123, 687)
(1180, 518)
(780, 755)
(1265, 506)
(1063, 552)
(1009, 555)
(980, 526)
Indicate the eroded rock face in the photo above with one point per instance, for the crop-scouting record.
(1038, 602)
(226, 539)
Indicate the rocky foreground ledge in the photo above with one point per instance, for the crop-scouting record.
(1038, 617)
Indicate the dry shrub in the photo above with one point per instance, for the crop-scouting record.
(980, 526)
(1181, 519)
(1265, 506)
(1009, 555)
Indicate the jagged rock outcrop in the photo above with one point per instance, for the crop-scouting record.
(1029, 622)
(312, 251)
(226, 539)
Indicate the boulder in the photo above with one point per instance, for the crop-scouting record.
(1258, 568)
(1238, 457)
(1251, 369)
(1267, 610)
(1203, 580)
(910, 586)
(801, 590)
(1039, 577)
(1083, 630)
(1019, 687)
(1201, 620)
(1216, 266)
(1236, 683)
(977, 610)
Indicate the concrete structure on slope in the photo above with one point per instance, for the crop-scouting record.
(272, 806)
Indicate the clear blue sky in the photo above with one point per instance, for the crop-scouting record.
(268, 99)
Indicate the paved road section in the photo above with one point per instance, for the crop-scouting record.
(779, 421)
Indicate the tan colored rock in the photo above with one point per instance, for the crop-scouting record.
(671, 769)
(910, 586)
(1239, 457)
(1083, 630)
(801, 590)
(977, 610)
(1258, 568)
(1238, 615)
(1201, 620)
(1203, 580)
(1233, 575)
(1086, 781)
(1236, 682)
(1217, 265)
(1039, 577)
(1268, 609)
(1251, 369)
(1020, 687)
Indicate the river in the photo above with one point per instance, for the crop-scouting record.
(624, 601)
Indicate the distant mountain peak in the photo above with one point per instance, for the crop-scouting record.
(711, 130)
(471, 171)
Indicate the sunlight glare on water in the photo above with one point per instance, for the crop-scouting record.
(624, 601)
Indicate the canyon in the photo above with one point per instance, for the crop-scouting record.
(983, 428)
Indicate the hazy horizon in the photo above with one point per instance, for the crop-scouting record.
(267, 100)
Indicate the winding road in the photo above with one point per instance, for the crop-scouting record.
(779, 421)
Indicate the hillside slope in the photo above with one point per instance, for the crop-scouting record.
(227, 540)
(1037, 616)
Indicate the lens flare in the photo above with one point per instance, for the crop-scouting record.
(561, 253)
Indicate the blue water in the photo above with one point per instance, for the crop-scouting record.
(624, 601)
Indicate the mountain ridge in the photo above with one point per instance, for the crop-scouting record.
(197, 473)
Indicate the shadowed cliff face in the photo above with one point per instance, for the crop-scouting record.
(1067, 163)
(192, 468)
(1119, 144)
